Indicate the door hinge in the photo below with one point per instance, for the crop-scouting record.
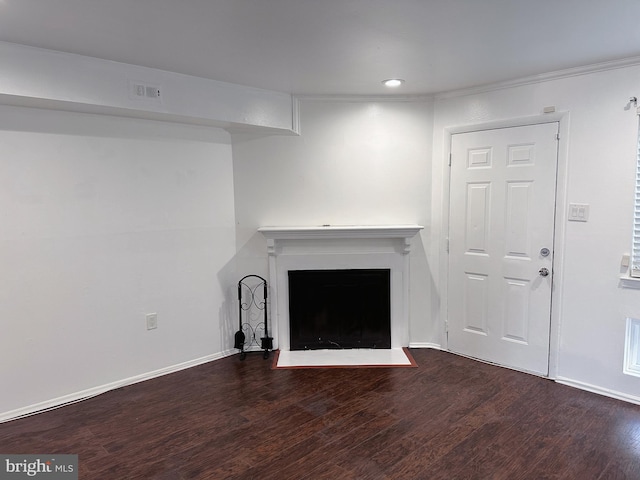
(449, 159)
(447, 244)
(446, 327)
(557, 136)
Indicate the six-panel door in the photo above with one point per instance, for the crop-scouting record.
(501, 229)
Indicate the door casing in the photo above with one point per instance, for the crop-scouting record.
(560, 223)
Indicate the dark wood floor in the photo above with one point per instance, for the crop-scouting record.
(450, 418)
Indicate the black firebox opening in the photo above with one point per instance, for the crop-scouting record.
(339, 309)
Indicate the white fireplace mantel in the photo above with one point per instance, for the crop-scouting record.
(339, 247)
(404, 232)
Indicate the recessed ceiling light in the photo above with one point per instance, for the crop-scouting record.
(393, 82)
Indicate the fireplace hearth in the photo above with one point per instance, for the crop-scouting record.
(334, 309)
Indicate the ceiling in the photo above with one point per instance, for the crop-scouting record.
(335, 47)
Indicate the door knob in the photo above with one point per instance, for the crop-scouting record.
(543, 272)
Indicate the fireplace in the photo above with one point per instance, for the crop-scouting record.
(333, 309)
(339, 248)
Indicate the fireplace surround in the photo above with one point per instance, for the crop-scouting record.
(299, 248)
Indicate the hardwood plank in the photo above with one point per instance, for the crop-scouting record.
(451, 417)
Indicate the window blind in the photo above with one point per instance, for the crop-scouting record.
(635, 254)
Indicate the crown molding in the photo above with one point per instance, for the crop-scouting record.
(543, 77)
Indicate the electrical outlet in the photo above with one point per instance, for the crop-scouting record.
(626, 259)
(152, 321)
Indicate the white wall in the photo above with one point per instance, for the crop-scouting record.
(103, 221)
(598, 152)
(356, 162)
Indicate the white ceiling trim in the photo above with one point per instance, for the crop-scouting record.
(541, 78)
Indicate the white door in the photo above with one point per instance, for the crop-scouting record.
(501, 228)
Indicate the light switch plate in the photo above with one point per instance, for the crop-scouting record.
(578, 212)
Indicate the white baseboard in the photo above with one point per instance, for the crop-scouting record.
(599, 390)
(434, 346)
(92, 392)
